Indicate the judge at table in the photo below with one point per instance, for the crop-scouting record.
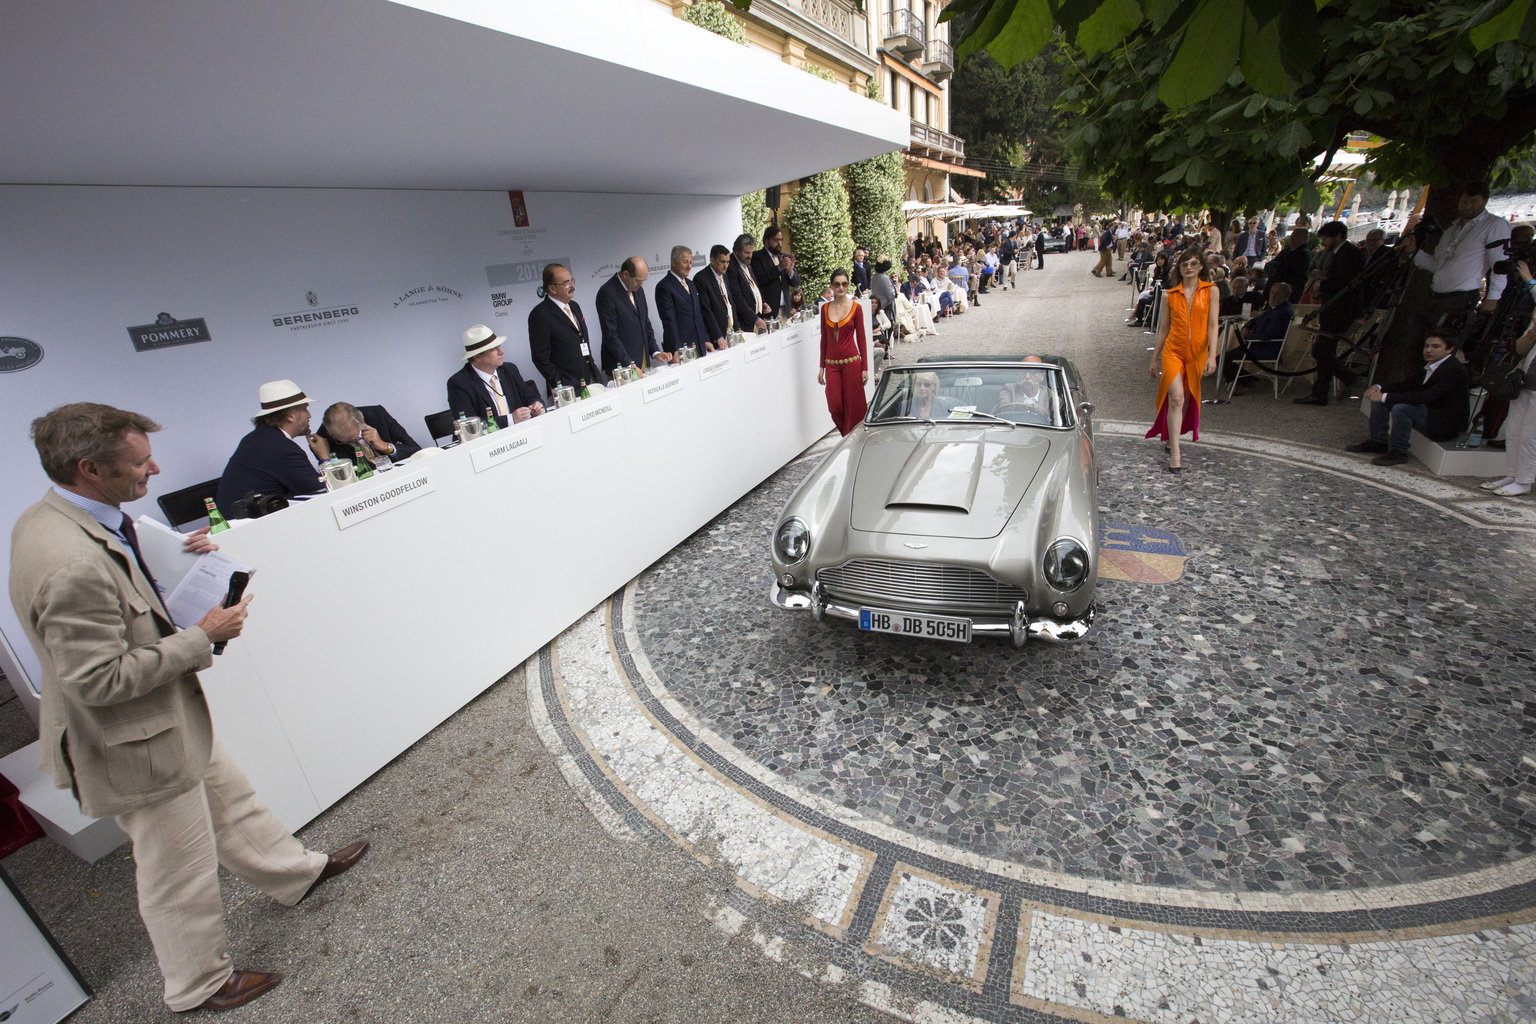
(275, 457)
(345, 427)
(625, 319)
(681, 311)
(557, 335)
(488, 381)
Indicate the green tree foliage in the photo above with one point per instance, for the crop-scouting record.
(876, 188)
(1399, 69)
(819, 228)
(1270, 45)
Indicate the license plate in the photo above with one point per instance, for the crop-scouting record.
(933, 627)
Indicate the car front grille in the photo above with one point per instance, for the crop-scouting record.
(875, 580)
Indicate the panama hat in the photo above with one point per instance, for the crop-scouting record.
(478, 339)
(280, 394)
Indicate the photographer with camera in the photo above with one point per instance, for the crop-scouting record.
(1463, 258)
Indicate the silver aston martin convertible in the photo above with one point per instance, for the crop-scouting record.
(965, 504)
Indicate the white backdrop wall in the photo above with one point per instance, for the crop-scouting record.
(79, 266)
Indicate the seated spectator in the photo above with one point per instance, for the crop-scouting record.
(344, 429)
(1263, 336)
(1434, 403)
(487, 381)
(1162, 267)
(1237, 300)
(958, 275)
(276, 457)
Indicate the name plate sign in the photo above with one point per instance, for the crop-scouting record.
(504, 446)
(399, 487)
(592, 411)
(715, 366)
(758, 349)
(662, 385)
(793, 336)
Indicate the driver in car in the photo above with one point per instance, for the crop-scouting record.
(927, 403)
(1029, 393)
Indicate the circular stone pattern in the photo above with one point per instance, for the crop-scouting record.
(1332, 695)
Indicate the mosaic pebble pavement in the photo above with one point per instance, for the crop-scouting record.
(1291, 775)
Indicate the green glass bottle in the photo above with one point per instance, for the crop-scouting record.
(364, 468)
(216, 521)
(584, 392)
(490, 420)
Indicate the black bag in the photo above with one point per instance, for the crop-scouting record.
(1503, 381)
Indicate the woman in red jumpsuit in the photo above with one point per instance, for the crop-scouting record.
(844, 356)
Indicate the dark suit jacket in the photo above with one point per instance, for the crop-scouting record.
(1346, 265)
(742, 303)
(377, 417)
(627, 333)
(717, 314)
(1444, 394)
(468, 394)
(556, 347)
(682, 315)
(1240, 246)
(268, 462)
(776, 283)
(1290, 266)
(860, 277)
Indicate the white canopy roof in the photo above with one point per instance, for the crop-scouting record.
(959, 211)
(601, 96)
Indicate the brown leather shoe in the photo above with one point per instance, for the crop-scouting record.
(339, 861)
(241, 988)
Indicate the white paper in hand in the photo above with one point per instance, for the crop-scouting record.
(196, 584)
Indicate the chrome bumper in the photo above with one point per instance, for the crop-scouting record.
(1018, 626)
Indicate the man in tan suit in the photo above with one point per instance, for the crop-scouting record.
(124, 723)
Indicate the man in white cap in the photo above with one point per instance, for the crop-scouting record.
(488, 381)
(275, 457)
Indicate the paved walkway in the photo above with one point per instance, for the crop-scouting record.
(1280, 785)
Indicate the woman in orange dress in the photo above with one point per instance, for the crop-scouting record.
(1186, 342)
(844, 356)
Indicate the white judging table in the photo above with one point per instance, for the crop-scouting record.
(383, 608)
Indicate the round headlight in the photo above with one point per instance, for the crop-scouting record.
(792, 541)
(1066, 565)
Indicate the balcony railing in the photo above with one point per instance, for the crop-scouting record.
(939, 61)
(926, 137)
(905, 32)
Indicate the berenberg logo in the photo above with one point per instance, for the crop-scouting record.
(303, 319)
(167, 331)
(19, 354)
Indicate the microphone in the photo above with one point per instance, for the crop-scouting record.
(237, 585)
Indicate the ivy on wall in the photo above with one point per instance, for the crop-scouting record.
(818, 224)
(876, 188)
(754, 214)
(712, 15)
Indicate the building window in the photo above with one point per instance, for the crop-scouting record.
(912, 98)
(928, 190)
(895, 91)
(927, 107)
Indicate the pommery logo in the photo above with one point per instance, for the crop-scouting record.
(19, 354)
(167, 331)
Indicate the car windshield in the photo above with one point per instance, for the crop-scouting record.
(1029, 393)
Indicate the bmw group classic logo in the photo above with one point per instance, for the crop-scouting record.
(19, 354)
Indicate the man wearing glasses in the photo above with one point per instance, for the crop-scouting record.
(557, 335)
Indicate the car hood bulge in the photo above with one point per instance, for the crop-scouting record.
(944, 481)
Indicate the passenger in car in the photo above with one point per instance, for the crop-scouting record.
(927, 403)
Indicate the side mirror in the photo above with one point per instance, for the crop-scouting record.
(1085, 408)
